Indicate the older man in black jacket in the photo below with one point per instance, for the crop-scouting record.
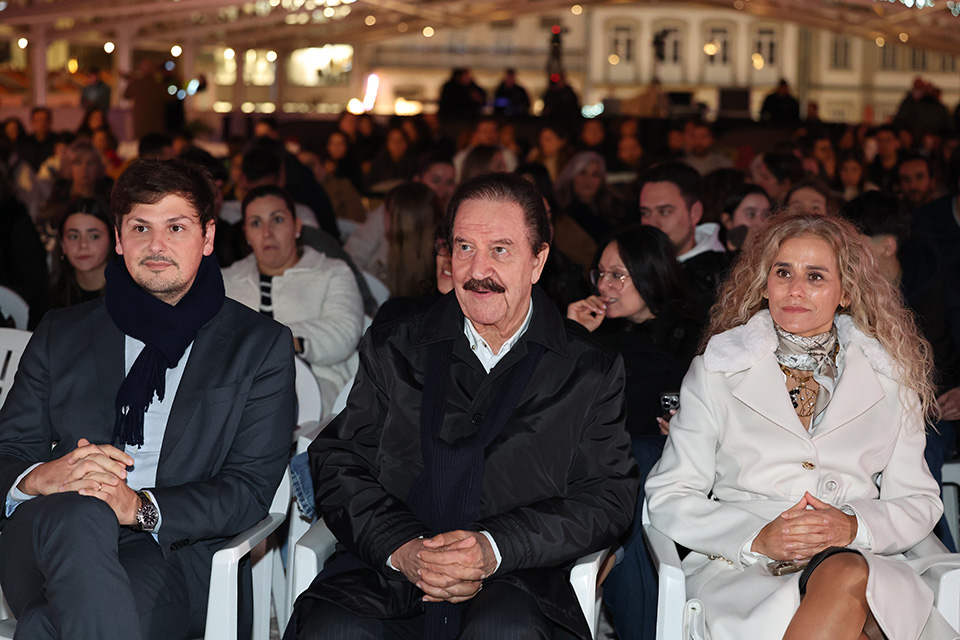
(482, 448)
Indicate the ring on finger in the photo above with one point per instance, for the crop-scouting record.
(99, 486)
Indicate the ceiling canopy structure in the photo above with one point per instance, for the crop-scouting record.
(291, 24)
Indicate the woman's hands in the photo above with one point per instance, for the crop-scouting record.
(588, 312)
(805, 529)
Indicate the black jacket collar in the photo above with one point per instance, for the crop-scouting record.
(444, 321)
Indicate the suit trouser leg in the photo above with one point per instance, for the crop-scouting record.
(499, 610)
(66, 566)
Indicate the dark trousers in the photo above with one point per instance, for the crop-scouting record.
(500, 611)
(68, 570)
(941, 442)
(630, 591)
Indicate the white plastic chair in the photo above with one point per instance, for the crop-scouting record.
(378, 290)
(12, 305)
(309, 401)
(223, 602)
(682, 619)
(951, 497)
(318, 544)
(12, 344)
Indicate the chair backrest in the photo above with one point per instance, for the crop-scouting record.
(13, 306)
(12, 344)
(378, 290)
(309, 402)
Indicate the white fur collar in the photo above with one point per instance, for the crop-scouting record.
(742, 347)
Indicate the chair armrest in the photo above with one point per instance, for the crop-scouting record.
(583, 579)
(672, 591)
(941, 571)
(224, 589)
(312, 549)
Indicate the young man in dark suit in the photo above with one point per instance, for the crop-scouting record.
(169, 410)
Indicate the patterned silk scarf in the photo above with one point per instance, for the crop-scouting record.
(811, 353)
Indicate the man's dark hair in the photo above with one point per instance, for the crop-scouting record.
(271, 122)
(913, 156)
(784, 166)
(878, 214)
(152, 145)
(260, 163)
(41, 109)
(196, 155)
(651, 262)
(889, 128)
(430, 158)
(264, 191)
(184, 134)
(953, 172)
(685, 177)
(504, 187)
(149, 181)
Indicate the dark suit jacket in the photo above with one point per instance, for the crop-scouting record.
(226, 441)
(559, 481)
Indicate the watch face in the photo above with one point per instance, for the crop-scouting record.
(147, 516)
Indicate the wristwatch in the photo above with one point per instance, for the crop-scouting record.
(147, 515)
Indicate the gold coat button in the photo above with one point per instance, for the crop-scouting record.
(809, 465)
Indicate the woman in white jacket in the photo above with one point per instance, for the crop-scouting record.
(314, 295)
(800, 441)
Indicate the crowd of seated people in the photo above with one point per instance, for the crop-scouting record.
(647, 223)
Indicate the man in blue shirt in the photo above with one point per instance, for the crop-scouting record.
(143, 430)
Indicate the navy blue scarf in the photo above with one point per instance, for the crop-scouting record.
(166, 330)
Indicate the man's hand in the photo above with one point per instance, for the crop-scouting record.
(799, 533)
(122, 499)
(99, 464)
(449, 566)
(949, 402)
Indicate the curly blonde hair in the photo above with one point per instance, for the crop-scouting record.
(874, 305)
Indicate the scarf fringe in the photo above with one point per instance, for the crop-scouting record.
(147, 376)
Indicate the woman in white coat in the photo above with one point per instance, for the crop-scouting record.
(314, 295)
(800, 440)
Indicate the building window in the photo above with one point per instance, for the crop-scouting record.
(547, 22)
(668, 45)
(329, 65)
(622, 44)
(889, 58)
(767, 45)
(840, 53)
(948, 63)
(918, 60)
(717, 47)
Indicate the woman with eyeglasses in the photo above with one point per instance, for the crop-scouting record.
(637, 311)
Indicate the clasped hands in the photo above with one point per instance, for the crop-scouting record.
(90, 470)
(447, 567)
(801, 532)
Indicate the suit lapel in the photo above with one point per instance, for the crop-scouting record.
(110, 357)
(212, 341)
(763, 390)
(857, 390)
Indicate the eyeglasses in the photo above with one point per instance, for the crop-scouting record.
(614, 280)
